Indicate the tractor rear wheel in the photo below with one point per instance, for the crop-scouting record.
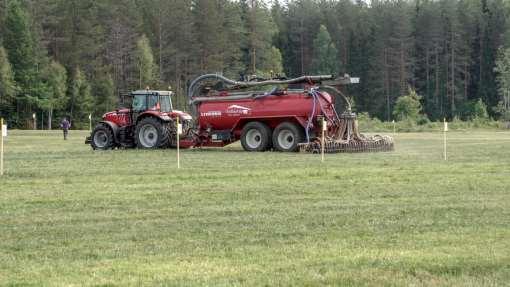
(256, 136)
(151, 133)
(287, 136)
(102, 138)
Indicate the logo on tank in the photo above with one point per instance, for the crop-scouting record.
(211, 114)
(235, 110)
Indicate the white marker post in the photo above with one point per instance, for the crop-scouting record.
(444, 132)
(394, 128)
(3, 134)
(35, 121)
(179, 132)
(324, 128)
(90, 122)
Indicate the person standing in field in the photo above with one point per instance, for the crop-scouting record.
(65, 125)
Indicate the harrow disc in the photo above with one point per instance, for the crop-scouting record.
(347, 139)
(372, 144)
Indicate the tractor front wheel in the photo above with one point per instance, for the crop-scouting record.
(150, 133)
(102, 138)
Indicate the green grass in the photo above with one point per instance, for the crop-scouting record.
(70, 216)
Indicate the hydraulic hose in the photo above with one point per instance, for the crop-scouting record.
(312, 115)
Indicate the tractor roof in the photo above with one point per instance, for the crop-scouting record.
(152, 92)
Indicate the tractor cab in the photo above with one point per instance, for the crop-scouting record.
(146, 100)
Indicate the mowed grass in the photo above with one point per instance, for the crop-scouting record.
(70, 216)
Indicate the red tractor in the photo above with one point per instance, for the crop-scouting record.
(149, 122)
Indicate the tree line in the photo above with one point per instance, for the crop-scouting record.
(73, 57)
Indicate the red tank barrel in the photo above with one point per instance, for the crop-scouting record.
(227, 114)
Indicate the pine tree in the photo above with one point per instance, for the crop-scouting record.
(391, 66)
(3, 14)
(303, 22)
(260, 29)
(73, 32)
(147, 69)
(428, 54)
(452, 54)
(219, 31)
(50, 16)
(211, 36)
(280, 38)
(80, 97)
(55, 97)
(347, 26)
(325, 56)
(121, 32)
(234, 39)
(502, 70)
(275, 62)
(495, 33)
(355, 39)
(103, 90)
(19, 43)
(179, 51)
(7, 86)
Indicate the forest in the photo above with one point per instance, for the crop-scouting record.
(73, 57)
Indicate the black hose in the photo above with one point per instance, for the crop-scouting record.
(336, 92)
(304, 79)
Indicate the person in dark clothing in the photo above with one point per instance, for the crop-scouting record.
(65, 125)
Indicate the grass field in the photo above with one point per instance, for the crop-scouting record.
(70, 216)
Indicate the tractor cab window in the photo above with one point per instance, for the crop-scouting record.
(166, 104)
(153, 102)
(139, 103)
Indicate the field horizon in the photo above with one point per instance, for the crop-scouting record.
(76, 217)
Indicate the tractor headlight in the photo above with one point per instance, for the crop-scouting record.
(165, 117)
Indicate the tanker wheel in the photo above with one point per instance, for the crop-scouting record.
(102, 138)
(287, 136)
(256, 136)
(150, 133)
